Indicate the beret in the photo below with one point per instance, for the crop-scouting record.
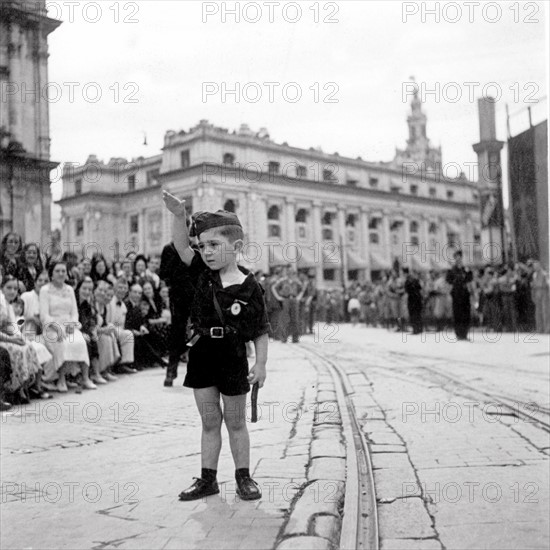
(202, 221)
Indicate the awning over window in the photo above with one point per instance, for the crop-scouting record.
(274, 255)
(440, 264)
(355, 261)
(378, 261)
(309, 255)
(331, 255)
(453, 227)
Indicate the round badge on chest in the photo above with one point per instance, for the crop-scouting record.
(236, 308)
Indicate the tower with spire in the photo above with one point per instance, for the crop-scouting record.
(418, 148)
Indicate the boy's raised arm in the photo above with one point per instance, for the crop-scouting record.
(180, 233)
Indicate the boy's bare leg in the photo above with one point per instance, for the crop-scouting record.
(234, 415)
(208, 404)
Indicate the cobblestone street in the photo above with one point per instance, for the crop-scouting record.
(454, 467)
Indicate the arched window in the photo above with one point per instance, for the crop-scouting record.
(432, 228)
(301, 216)
(228, 158)
(374, 223)
(374, 238)
(327, 218)
(229, 205)
(273, 213)
(350, 220)
(301, 223)
(413, 227)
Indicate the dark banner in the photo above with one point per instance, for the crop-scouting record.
(523, 194)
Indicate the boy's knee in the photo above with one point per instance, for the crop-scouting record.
(235, 420)
(211, 416)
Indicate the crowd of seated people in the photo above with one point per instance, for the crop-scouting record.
(74, 324)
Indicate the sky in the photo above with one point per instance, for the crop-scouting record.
(153, 63)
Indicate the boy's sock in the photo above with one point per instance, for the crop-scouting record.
(208, 475)
(241, 473)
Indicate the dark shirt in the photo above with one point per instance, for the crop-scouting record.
(87, 316)
(413, 288)
(250, 322)
(27, 278)
(458, 278)
(134, 317)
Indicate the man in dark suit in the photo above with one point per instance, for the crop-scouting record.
(413, 288)
(177, 276)
(459, 277)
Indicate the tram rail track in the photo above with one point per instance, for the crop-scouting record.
(360, 528)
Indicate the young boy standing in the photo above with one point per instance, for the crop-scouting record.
(228, 310)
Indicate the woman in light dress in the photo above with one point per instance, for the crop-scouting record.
(24, 361)
(62, 336)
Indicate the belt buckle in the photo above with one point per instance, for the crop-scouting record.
(216, 332)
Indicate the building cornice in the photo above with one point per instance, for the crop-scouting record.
(103, 195)
(208, 134)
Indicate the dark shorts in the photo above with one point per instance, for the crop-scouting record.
(218, 362)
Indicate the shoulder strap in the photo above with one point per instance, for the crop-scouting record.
(217, 306)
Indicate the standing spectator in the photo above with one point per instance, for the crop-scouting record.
(289, 290)
(274, 306)
(141, 273)
(59, 318)
(443, 302)
(116, 315)
(10, 253)
(507, 289)
(459, 277)
(127, 267)
(30, 265)
(354, 309)
(153, 268)
(489, 298)
(524, 303)
(540, 296)
(413, 288)
(177, 275)
(395, 291)
(311, 295)
(100, 271)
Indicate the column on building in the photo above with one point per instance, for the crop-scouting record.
(386, 236)
(444, 250)
(405, 246)
(365, 239)
(142, 238)
(342, 243)
(259, 221)
(290, 220)
(317, 239)
(424, 246)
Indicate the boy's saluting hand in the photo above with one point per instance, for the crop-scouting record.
(175, 205)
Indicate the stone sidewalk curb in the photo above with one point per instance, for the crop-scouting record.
(315, 517)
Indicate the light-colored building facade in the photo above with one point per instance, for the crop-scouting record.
(340, 217)
(25, 166)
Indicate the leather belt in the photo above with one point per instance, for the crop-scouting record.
(214, 332)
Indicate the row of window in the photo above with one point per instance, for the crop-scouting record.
(151, 177)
